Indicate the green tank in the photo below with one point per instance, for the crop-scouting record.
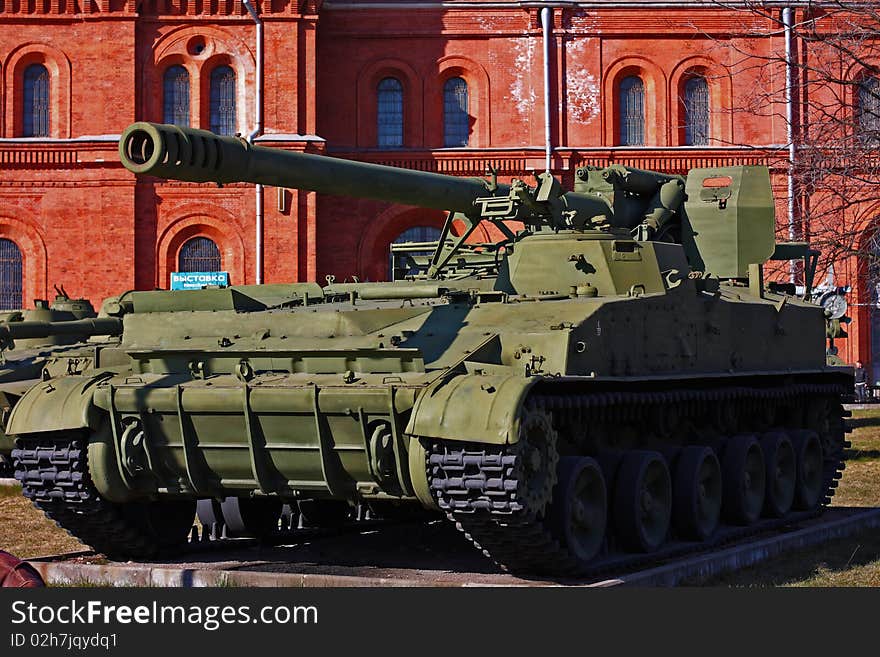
(41, 342)
(612, 379)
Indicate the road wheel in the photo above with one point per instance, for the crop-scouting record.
(642, 501)
(579, 513)
(744, 477)
(781, 464)
(697, 493)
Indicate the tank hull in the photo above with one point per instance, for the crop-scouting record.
(384, 400)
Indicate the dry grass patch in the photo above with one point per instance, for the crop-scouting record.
(860, 485)
(26, 532)
(865, 437)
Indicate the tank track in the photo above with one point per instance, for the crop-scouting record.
(53, 471)
(476, 485)
(54, 475)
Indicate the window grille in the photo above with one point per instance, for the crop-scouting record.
(632, 111)
(389, 113)
(10, 275)
(456, 117)
(868, 110)
(35, 115)
(199, 254)
(696, 111)
(223, 101)
(176, 96)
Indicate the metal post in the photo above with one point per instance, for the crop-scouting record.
(787, 21)
(547, 25)
(258, 129)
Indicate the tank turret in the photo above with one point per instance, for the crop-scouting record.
(64, 303)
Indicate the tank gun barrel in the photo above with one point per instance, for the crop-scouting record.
(192, 155)
(85, 327)
(176, 153)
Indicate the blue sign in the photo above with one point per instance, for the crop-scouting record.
(196, 280)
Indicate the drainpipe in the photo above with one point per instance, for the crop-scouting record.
(258, 130)
(788, 22)
(547, 25)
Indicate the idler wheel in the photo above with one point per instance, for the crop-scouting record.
(579, 513)
(642, 501)
(697, 493)
(744, 476)
(781, 467)
(810, 470)
(324, 513)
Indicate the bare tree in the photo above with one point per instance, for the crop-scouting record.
(825, 57)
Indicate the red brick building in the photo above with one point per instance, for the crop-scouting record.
(442, 86)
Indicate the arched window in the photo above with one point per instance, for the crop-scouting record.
(868, 109)
(10, 275)
(402, 263)
(35, 113)
(389, 113)
(696, 111)
(176, 96)
(223, 101)
(456, 117)
(632, 111)
(199, 254)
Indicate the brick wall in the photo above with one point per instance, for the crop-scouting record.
(82, 221)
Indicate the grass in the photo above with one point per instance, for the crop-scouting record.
(865, 437)
(25, 531)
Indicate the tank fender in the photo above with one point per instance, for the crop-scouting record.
(472, 408)
(59, 404)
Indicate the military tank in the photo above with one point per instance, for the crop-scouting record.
(40, 342)
(613, 378)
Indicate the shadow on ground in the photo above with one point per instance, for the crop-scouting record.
(424, 546)
(846, 562)
(861, 454)
(869, 421)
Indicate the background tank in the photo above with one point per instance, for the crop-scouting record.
(617, 379)
(38, 341)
